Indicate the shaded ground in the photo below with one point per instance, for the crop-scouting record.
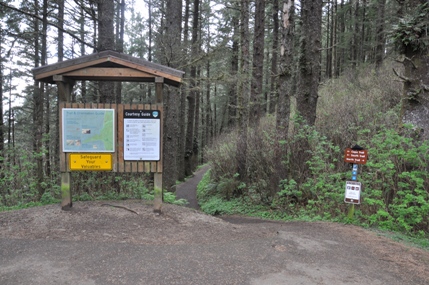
(98, 244)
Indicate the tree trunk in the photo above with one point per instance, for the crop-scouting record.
(341, 39)
(285, 90)
(380, 37)
(172, 57)
(190, 135)
(195, 146)
(274, 62)
(258, 64)
(120, 45)
(241, 154)
(309, 59)
(106, 41)
(182, 110)
(233, 89)
(2, 152)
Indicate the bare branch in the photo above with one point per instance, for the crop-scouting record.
(49, 23)
(404, 79)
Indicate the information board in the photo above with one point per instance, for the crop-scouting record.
(88, 130)
(142, 135)
(353, 190)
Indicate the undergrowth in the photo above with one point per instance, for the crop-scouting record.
(304, 176)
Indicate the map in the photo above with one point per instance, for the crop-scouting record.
(88, 130)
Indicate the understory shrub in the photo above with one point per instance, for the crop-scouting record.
(395, 181)
(305, 175)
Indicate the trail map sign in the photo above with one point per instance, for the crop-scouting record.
(353, 189)
(142, 135)
(88, 130)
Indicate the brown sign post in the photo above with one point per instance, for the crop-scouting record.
(355, 155)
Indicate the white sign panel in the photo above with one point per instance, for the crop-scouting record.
(353, 190)
(142, 135)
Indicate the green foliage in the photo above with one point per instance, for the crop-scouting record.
(410, 33)
(18, 183)
(170, 198)
(396, 183)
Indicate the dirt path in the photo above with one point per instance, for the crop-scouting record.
(96, 244)
(188, 189)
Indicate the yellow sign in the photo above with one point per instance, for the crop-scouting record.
(90, 161)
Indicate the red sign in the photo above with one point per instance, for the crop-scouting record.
(355, 156)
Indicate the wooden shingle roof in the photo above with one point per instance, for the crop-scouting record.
(108, 65)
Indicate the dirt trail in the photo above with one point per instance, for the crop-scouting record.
(188, 189)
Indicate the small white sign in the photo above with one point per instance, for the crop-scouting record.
(353, 190)
(142, 135)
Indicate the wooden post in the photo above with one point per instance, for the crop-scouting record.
(159, 84)
(66, 202)
(158, 189)
(157, 192)
(65, 88)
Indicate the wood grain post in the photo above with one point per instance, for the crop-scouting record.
(65, 88)
(158, 189)
(66, 197)
(158, 193)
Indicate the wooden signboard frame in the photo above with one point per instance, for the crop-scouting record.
(111, 66)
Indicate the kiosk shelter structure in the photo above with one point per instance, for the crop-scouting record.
(108, 66)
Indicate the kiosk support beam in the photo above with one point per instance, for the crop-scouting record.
(158, 189)
(65, 88)
(66, 202)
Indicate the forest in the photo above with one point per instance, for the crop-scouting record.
(274, 91)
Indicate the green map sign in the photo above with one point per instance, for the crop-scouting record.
(88, 130)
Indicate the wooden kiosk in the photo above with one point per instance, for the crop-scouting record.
(120, 152)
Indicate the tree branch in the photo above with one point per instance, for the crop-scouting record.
(404, 79)
(49, 23)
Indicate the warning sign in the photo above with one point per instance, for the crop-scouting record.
(353, 190)
(90, 162)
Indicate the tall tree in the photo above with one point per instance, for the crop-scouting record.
(274, 59)
(234, 65)
(286, 68)
(106, 41)
(1, 102)
(380, 33)
(243, 98)
(309, 59)
(38, 96)
(286, 72)
(190, 136)
(120, 30)
(258, 63)
(183, 95)
(172, 56)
